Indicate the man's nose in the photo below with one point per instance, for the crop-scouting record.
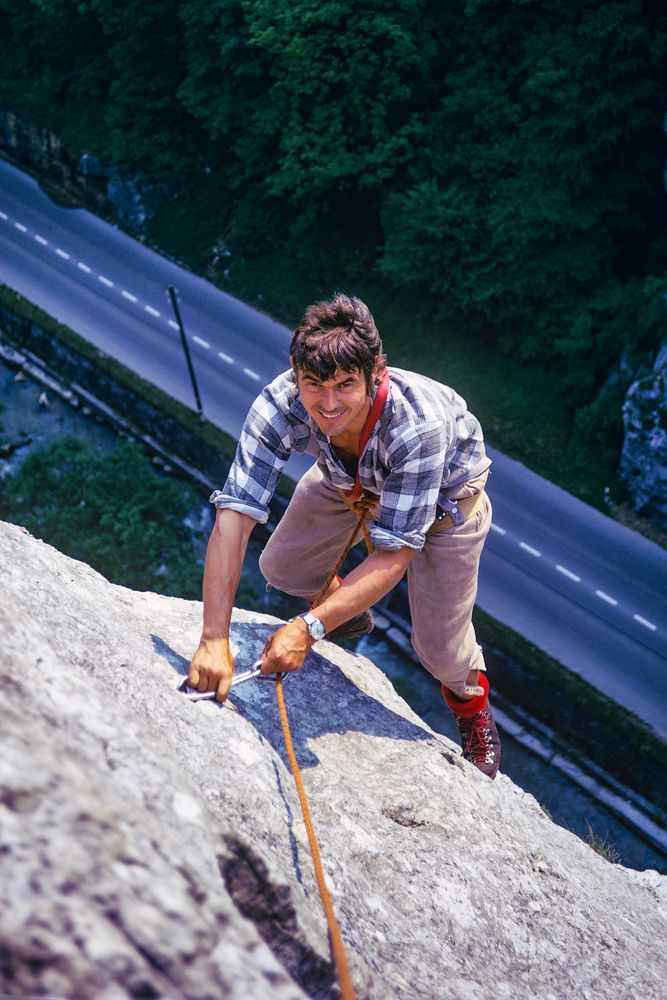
(329, 399)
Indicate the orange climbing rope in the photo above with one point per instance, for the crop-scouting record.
(361, 505)
(361, 508)
(337, 946)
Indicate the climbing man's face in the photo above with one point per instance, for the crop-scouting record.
(340, 405)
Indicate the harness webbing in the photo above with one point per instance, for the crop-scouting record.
(373, 416)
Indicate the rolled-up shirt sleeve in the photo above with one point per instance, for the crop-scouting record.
(410, 495)
(263, 449)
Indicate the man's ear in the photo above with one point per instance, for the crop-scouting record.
(377, 371)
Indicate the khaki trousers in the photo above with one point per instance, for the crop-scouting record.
(442, 578)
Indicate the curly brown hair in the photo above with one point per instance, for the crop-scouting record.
(338, 334)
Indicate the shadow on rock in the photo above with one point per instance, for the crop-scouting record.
(320, 699)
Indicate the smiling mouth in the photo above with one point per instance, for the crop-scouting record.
(331, 416)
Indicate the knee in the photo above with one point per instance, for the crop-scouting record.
(277, 566)
(268, 566)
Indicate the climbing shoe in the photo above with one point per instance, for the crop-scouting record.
(480, 743)
(361, 624)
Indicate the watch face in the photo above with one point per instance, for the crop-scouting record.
(315, 626)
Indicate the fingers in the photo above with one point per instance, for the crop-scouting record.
(222, 690)
(211, 668)
(198, 679)
(268, 665)
(284, 651)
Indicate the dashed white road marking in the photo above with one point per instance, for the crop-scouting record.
(605, 597)
(253, 375)
(568, 573)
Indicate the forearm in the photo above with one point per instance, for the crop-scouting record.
(222, 571)
(364, 586)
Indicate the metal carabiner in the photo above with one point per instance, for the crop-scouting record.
(193, 695)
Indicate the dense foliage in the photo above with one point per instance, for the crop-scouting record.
(499, 160)
(113, 511)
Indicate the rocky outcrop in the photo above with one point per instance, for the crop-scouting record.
(644, 457)
(152, 847)
(129, 201)
(43, 153)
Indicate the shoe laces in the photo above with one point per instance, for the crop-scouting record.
(477, 737)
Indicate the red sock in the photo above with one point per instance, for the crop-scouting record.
(466, 709)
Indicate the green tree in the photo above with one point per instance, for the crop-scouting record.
(543, 193)
(315, 108)
(105, 75)
(112, 511)
(323, 94)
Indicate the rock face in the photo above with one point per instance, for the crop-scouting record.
(152, 847)
(644, 456)
(131, 201)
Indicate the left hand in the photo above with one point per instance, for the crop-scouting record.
(286, 649)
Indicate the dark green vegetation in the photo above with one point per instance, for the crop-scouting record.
(488, 174)
(112, 511)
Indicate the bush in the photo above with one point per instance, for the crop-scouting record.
(113, 511)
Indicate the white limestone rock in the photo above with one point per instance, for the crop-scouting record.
(152, 847)
(643, 467)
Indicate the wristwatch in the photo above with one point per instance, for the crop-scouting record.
(314, 626)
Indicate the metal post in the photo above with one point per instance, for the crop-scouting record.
(177, 313)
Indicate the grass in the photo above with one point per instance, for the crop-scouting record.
(188, 227)
(602, 846)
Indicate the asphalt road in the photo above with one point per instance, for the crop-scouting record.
(578, 585)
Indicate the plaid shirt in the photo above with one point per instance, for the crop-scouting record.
(424, 443)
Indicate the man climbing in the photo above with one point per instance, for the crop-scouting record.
(410, 448)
